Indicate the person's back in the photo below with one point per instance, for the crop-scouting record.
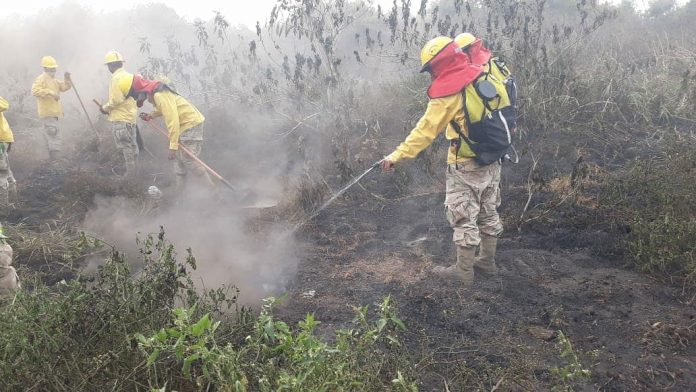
(119, 107)
(184, 123)
(496, 68)
(178, 113)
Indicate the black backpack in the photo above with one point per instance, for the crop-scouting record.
(492, 101)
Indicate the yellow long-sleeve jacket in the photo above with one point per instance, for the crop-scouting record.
(120, 107)
(6, 135)
(45, 88)
(436, 119)
(178, 113)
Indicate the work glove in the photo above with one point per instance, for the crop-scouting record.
(66, 76)
(55, 97)
(172, 155)
(102, 110)
(145, 116)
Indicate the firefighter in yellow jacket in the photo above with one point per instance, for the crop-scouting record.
(183, 121)
(122, 111)
(472, 189)
(47, 90)
(7, 181)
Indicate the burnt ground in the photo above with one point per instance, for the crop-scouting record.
(631, 332)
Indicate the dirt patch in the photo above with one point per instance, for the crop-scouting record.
(474, 338)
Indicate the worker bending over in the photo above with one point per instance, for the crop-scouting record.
(183, 121)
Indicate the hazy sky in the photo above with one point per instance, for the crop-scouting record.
(236, 11)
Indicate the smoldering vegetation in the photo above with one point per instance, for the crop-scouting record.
(295, 107)
(240, 143)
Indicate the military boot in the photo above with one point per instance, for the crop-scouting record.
(463, 270)
(485, 263)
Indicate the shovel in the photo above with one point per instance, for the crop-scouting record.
(245, 198)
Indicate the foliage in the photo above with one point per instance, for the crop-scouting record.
(78, 335)
(653, 201)
(89, 334)
(273, 357)
(572, 370)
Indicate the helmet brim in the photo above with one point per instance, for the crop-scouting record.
(426, 66)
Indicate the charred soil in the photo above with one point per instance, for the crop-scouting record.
(630, 332)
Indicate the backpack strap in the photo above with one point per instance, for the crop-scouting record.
(456, 126)
(458, 129)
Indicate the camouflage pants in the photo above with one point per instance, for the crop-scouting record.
(53, 136)
(7, 181)
(473, 196)
(125, 139)
(192, 140)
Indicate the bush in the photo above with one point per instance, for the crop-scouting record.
(275, 358)
(652, 200)
(78, 335)
(90, 334)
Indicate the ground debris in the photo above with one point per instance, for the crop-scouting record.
(541, 333)
(673, 335)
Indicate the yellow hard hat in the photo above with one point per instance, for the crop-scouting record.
(432, 48)
(49, 62)
(464, 39)
(113, 57)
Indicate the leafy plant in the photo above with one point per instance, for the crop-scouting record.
(572, 370)
(274, 357)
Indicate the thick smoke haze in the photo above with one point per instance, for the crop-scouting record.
(227, 249)
(240, 142)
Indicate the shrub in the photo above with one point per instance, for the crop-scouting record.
(90, 334)
(652, 200)
(273, 357)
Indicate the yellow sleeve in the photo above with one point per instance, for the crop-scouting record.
(38, 90)
(166, 104)
(115, 96)
(4, 105)
(438, 114)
